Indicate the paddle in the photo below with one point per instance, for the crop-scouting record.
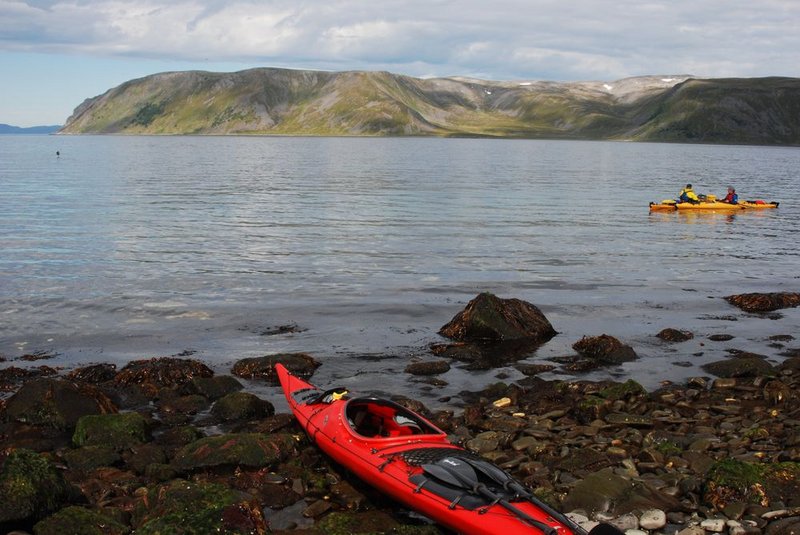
(500, 476)
(461, 475)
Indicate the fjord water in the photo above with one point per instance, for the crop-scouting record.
(132, 247)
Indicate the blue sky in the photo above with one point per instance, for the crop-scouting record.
(54, 54)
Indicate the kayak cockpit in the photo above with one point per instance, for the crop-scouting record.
(381, 418)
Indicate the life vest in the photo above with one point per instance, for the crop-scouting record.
(732, 198)
(688, 195)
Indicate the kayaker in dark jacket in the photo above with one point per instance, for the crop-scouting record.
(732, 197)
(688, 195)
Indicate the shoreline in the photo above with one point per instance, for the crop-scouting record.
(557, 437)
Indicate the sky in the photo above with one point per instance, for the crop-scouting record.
(55, 54)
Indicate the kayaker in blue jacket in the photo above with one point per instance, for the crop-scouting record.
(688, 195)
(732, 197)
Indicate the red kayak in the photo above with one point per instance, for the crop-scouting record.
(408, 458)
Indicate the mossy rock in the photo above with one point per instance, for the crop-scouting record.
(184, 507)
(215, 387)
(88, 458)
(732, 480)
(241, 406)
(120, 431)
(55, 403)
(368, 523)
(76, 520)
(235, 449)
(621, 391)
(31, 487)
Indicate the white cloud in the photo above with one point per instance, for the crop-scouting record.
(505, 39)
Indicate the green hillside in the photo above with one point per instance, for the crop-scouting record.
(290, 102)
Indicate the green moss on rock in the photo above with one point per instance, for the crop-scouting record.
(76, 520)
(236, 449)
(119, 431)
(622, 390)
(31, 487)
(184, 507)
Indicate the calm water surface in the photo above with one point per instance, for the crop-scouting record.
(133, 247)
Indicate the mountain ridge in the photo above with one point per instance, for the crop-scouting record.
(266, 101)
(44, 129)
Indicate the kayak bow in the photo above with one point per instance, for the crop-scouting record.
(408, 458)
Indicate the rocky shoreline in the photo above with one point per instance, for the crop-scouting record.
(166, 446)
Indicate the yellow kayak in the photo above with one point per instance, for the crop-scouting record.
(672, 206)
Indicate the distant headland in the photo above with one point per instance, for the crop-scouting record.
(268, 101)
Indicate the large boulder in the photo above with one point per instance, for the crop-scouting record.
(605, 349)
(235, 449)
(213, 388)
(118, 431)
(80, 521)
(31, 487)
(607, 492)
(764, 302)
(195, 507)
(56, 403)
(241, 406)
(156, 373)
(490, 318)
(743, 366)
(300, 364)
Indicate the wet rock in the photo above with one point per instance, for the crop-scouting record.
(289, 518)
(89, 458)
(33, 437)
(119, 431)
(11, 377)
(156, 373)
(428, 368)
(460, 351)
(605, 349)
(739, 367)
(721, 337)
(80, 520)
(633, 420)
(195, 507)
(605, 491)
(180, 410)
(784, 526)
(733, 480)
(488, 317)
(175, 438)
(534, 369)
(213, 388)
(140, 457)
(714, 525)
(31, 487)
(56, 403)
(239, 449)
(653, 519)
(674, 335)
(764, 302)
(300, 364)
(94, 374)
(241, 406)
(348, 523)
(777, 392)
